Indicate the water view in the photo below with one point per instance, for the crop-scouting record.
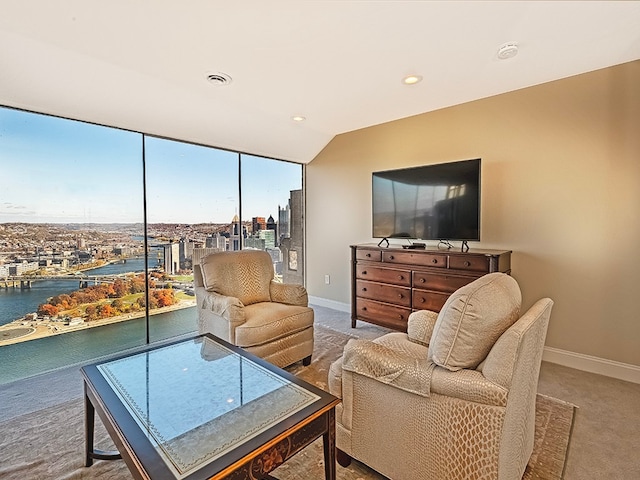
(28, 358)
(15, 303)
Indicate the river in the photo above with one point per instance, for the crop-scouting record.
(25, 359)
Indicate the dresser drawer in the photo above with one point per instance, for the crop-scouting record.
(412, 258)
(368, 254)
(384, 314)
(427, 300)
(441, 282)
(472, 263)
(384, 292)
(385, 275)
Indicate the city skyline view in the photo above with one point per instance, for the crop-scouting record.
(79, 203)
(64, 171)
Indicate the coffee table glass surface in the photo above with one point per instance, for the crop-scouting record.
(199, 399)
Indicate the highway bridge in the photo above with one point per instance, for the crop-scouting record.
(84, 280)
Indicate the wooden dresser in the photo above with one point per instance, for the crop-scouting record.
(388, 283)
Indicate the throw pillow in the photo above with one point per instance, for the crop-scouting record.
(472, 320)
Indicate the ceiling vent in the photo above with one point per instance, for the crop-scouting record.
(508, 50)
(219, 78)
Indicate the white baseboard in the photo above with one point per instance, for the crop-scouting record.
(587, 363)
(324, 302)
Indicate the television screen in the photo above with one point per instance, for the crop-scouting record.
(430, 202)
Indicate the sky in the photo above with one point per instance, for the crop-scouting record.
(55, 170)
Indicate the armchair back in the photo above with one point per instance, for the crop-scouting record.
(245, 275)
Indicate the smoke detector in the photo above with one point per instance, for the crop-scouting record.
(219, 78)
(508, 50)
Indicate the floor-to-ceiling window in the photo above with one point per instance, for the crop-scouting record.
(100, 228)
(272, 213)
(192, 197)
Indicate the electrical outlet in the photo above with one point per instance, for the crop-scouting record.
(327, 279)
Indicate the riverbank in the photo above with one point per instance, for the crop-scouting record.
(25, 330)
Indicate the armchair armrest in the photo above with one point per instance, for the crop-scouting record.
(335, 378)
(386, 365)
(229, 308)
(418, 375)
(288, 293)
(469, 385)
(420, 326)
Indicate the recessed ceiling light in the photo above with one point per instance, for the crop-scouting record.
(412, 79)
(508, 50)
(298, 118)
(219, 78)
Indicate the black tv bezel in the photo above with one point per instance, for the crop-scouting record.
(426, 167)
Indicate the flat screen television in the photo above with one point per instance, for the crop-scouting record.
(430, 202)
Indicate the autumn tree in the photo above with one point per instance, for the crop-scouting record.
(106, 311)
(120, 288)
(117, 304)
(63, 301)
(46, 309)
(164, 297)
(91, 312)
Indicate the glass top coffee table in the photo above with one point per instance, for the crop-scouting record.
(202, 408)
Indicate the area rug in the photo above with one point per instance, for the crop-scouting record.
(48, 444)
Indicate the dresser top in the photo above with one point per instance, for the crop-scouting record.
(432, 249)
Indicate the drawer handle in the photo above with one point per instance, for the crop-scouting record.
(364, 272)
(422, 300)
(467, 263)
(391, 257)
(435, 260)
(422, 280)
(400, 295)
(368, 255)
(364, 289)
(364, 309)
(400, 277)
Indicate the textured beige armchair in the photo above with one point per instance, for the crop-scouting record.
(454, 397)
(239, 301)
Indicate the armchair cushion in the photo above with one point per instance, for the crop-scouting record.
(472, 319)
(244, 274)
(267, 322)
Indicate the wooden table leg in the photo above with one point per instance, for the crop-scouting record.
(89, 428)
(329, 444)
(89, 419)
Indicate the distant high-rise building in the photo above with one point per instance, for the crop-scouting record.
(283, 222)
(254, 242)
(272, 225)
(216, 241)
(269, 237)
(235, 230)
(257, 224)
(293, 246)
(186, 250)
(171, 258)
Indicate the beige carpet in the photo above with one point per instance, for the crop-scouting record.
(48, 444)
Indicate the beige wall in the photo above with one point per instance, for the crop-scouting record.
(560, 187)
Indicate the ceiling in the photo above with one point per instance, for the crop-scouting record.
(143, 65)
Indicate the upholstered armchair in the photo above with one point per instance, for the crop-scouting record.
(239, 301)
(454, 397)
